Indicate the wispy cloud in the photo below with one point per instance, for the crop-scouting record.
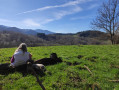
(60, 14)
(30, 23)
(81, 17)
(4, 20)
(71, 3)
(93, 6)
(63, 13)
(68, 8)
(47, 20)
(26, 23)
(73, 7)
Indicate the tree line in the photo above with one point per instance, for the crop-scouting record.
(13, 39)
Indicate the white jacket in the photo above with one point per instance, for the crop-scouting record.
(20, 58)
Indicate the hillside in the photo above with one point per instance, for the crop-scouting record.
(12, 39)
(85, 38)
(24, 31)
(72, 73)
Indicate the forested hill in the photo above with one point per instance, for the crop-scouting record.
(85, 38)
(12, 39)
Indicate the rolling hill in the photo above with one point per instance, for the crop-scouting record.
(25, 31)
(12, 36)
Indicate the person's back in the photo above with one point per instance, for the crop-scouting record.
(21, 56)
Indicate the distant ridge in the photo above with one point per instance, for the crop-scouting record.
(12, 37)
(44, 31)
(25, 31)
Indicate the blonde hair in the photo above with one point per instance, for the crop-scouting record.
(22, 47)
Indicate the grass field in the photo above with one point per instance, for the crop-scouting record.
(84, 67)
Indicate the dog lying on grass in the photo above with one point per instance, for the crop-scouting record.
(49, 61)
(39, 67)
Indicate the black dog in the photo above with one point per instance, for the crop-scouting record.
(49, 61)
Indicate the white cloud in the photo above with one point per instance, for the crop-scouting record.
(71, 3)
(59, 15)
(47, 20)
(4, 20)
(81, 17)
(93, 6)
(27, 23)
(7, 22)
(30, 23)
(73, 7)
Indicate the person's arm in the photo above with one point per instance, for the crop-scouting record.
(30, 59)
(12, 59)
(30, 56)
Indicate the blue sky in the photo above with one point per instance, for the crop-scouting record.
(61, 16)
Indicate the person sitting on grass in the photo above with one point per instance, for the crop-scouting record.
(21, 56)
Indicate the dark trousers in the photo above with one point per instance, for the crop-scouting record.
(6, 69)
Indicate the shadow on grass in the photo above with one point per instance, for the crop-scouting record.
(5, 70)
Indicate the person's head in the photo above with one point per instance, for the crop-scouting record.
(22, 47)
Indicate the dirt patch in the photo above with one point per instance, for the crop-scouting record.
(0, 86)
(82, 68)
(76, 63)
(93, 87)
(72, 63)
(69, 63)
(75, 79)
(114, 66)
(80, 56)
(92, 59)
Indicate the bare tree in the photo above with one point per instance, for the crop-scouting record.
(108, 18)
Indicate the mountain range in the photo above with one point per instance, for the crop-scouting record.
(13, 36)
(25, 31)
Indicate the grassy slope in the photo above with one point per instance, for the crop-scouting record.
(71, 74)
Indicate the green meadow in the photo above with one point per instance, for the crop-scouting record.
(84, 67)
